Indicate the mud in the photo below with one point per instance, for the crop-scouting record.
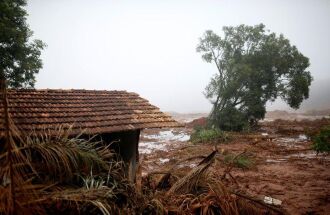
(284, 166)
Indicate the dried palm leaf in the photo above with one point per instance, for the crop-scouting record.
(190, 181)
(15, 169)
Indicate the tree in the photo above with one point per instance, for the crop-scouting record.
(19, 62)
(254, 66)
(19, 57)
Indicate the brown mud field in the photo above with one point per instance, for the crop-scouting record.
(283, 165)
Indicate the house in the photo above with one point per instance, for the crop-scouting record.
(113, 115)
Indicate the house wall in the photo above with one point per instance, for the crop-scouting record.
(127, 147)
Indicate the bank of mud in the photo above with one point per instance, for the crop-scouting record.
(284, 166)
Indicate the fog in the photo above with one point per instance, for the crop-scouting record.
(149, 47)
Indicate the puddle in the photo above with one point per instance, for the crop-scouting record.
(191, 165)
(164, 136)
(276, 161)
(268, 120)
(164, 160)
(161, 141)
(308, 155)
(148, 147)
(291, 142)
(302, 137)
(301, 155)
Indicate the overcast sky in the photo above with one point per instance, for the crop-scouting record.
(149, 47)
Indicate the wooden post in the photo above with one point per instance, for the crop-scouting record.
(8, 145)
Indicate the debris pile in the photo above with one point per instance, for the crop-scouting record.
(200, 192)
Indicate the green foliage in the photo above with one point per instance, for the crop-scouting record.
(254, 66)
(242, 161)
(20, 57)
(205, 135)
(232, 120)
(321, 141)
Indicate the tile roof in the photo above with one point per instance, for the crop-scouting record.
(94, 111)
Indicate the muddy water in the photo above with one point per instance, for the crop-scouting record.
(162, 140)
(299, 146)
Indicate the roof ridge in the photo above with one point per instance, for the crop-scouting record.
(63, 90)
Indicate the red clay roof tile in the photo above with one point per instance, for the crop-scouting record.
(93, 111)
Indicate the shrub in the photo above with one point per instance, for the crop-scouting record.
(230, 119)
(205, 135)
(321, 141)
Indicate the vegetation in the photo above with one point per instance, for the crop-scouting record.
(50, 174)
(207, 135)
(241, 161)
(254, 67)
(321, 141)
(200, 192)
(53, 175)
(20, 57)
(24, 183)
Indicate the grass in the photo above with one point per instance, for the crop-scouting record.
(212, 135)
(241, 161)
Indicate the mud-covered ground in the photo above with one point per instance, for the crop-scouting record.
(283, 168)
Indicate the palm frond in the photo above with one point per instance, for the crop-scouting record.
(62, 158)
(188, 183)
